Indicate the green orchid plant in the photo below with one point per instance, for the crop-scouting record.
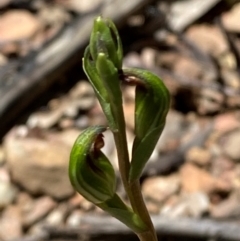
(91, 173)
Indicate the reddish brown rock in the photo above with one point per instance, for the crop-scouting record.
(11, 224)
(199, 156)
(226, 122)
(231, 19)
(195, 179)
(16, 25)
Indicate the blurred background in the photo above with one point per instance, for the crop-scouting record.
(191, 183)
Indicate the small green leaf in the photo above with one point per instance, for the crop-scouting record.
(90, 172)
(152, 103)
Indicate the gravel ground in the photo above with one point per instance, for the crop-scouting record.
(194, 172)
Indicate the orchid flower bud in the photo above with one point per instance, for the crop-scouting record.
(105, 39)
(90, 172)
(102, 63)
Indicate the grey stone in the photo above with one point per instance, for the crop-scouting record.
(230, 146)
(188, 205)
(39, 161)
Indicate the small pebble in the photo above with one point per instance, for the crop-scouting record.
(199, 156)
(74, 220)
(10, 224)
(82, 122)
(57, 216)
(2, 157)
(188, 205)
(7, 193)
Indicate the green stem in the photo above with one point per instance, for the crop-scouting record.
(141, 210)
(147, 236)
(133, 189)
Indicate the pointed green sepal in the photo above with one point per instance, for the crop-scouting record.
(90, 172)
(99, 88)
(110, 78)
(105, 39)
(152, 102)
